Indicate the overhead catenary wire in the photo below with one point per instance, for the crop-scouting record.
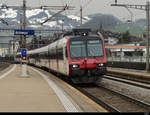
(3, 21)
(130, 13)
(63, 3)
(65, 8)
(69, 3)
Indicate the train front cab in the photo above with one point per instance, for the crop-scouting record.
(87, 59)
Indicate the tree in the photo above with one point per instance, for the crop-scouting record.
(126, 37)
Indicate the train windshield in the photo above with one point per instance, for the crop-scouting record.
(91, 48)
(95, 48)
(77, 49)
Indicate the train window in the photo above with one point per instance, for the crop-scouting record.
(66, 53)
(76, 42)
(46, 55)
(93, 42)
(77, 49)
(95, 48)
(37, 56)
(41, 56)
(60, 53)
(34, 56)
(52, 54)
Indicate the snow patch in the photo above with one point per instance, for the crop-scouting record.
(74, 17)
(33, 12)
(51, 24)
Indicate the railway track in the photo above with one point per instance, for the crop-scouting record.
(114, 101)
(111, 100)
(129, 78)
(3, 65)
(140, 84)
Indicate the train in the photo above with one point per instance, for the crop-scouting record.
(78, 55)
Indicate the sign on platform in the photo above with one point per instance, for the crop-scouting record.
(24, 32)
(23, 53)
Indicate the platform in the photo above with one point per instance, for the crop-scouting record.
(40, 92)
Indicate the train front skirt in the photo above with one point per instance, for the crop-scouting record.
(87, 76)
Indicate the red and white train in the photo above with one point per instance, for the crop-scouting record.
(79, 56)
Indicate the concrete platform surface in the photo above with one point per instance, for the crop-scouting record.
(31, 94)
(37, 93)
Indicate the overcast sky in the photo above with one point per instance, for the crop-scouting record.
(90, 7)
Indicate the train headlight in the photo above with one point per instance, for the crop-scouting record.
(74, 66)
(100, 64)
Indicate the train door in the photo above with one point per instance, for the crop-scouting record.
(66, 66)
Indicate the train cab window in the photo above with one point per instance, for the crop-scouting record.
(95, 48)
(77, 49)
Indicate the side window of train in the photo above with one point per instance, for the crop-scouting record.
(40, 56)
(37, 56)
(66, 53)
(60, 53)
(46, 55)
(52, 54)
(34, 56)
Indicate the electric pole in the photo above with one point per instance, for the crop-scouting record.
(62, 25)
(81, 15)
(145, 8)
(147, 48)
(21, 29)
(24, 22)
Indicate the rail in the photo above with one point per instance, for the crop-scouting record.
(133, 82)
(97, 100)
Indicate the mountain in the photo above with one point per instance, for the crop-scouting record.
(102, 20)
(109, 22)
(140, 23)
(94, 21)
(36, 16)
(135, 28)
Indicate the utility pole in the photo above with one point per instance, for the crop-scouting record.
(81, 15)
(21, 29)
(147, 47)
(24, 22)
(145, 8)
(62, 25)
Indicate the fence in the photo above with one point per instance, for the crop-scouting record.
(128, 58)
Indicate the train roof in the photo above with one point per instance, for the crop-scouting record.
(45, 48)
(74, 37)
(76, 32)
(38, 50)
